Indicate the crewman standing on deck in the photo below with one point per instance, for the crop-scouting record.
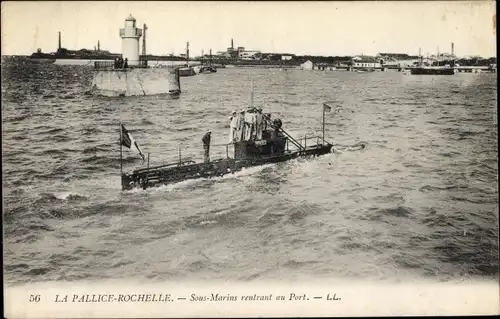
(259, 124)
(206, 145)
(241, 126)
(233, 126)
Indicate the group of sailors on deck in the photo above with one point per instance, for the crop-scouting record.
(247, 125)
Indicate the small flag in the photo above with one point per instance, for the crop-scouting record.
(127, 140)
(326, 108)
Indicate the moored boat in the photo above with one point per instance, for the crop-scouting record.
(187, 71)
(208, 69)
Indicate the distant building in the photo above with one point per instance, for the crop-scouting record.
(394, 56)
(397, 59)
(239, 53)
(423, 61)
(308, 65)
(366, 62)
(223, 54)
(250, 55)
(443, 57)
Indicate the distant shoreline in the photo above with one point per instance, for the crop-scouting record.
(163, 61)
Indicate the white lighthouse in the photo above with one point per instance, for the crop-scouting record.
(130, 41)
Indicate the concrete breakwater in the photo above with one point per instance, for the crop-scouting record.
(136, 82)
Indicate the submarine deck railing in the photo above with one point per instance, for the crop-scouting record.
(187, 160)
(317, 138)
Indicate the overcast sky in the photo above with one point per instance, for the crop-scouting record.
(316, 28)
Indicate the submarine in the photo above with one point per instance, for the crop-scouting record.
(256, 144)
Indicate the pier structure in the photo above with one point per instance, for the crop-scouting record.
(336, 67)
(476, 69)
(460, 69)
(333, 67)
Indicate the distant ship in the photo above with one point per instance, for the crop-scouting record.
(82, 54)
(85, 54)
(63, 53)
(422, 69)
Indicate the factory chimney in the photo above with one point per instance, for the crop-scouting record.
(452, 49)
(98, 45)
(59, 47)
(232, 44)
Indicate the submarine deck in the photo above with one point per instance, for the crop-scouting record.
(185, 170)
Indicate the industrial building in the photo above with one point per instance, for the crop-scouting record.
(239, 53)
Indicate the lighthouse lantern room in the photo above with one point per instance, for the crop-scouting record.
(130, 41)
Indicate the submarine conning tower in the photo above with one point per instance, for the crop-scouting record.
(130, 35)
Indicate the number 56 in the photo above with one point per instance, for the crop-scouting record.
(34, 298)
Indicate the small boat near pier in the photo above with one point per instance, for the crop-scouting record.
(208, 67)
(187, 70)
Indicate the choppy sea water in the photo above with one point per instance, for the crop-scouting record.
(421, 201)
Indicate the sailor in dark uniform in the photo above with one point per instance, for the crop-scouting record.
(206, 145)
(125, 64)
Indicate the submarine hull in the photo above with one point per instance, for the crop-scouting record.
(177, 172)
